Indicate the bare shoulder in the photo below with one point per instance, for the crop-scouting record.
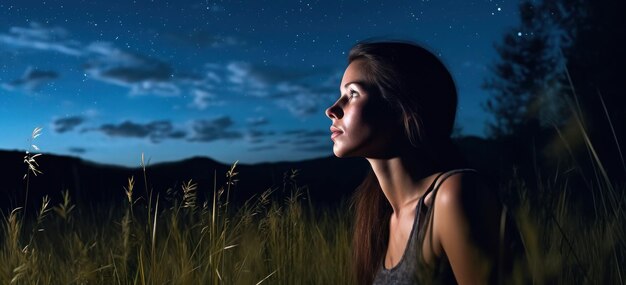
(465, 191)
(463, 198)
(455, 187)
(465, 225)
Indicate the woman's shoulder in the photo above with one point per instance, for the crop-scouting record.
(455, 182)
(465, 224)
(462, 192)
(452, 185)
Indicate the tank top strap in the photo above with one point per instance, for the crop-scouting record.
(444, 175)
(428, 211)
(430, 188)
(447, 174)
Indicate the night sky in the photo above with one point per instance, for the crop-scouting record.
(232, 80)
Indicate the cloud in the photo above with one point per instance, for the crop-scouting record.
(32, 80)
(203, 130)
(39, 37)
(156, 131)
(204, 99)
(258, 121)
(302, 91)
(300, 105)
(141, 73)
(77, 150)
(261, 76)
(213, 129)
(67, 124)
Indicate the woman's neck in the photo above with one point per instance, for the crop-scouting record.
(404, 178)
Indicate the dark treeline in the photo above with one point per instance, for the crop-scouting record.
(559, 123)
(325, 181)
(556, 95)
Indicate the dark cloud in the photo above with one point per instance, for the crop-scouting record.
(77, 150)
(214, 129)
(141, 73)
(260, 76)
(156, 131)
(149, 75)
(67, 124)
(105, 62)
(32, 80)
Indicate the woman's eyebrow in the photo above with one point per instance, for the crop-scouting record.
(351, 82)
(345, 86)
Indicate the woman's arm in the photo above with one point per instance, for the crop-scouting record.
(465, 224)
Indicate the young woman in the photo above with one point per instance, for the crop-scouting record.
(421, 216)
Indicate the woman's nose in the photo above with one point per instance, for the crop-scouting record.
(334, 111)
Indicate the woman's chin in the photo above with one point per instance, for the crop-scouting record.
(341, 152)
(338, 151)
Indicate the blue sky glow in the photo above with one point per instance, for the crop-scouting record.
(231, 80)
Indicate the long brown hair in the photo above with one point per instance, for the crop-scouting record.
(419, 88)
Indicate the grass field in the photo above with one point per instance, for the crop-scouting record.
(179, 239)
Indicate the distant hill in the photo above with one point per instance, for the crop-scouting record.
(329, 179)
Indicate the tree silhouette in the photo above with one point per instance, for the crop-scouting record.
(520, 75)
(563, 67)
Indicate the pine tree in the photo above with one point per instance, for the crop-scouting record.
(563, 61)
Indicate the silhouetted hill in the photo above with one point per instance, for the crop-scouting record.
(329, 179)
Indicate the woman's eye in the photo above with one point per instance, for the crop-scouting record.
(353, 93)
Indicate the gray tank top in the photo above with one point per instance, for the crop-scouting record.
(411, 262)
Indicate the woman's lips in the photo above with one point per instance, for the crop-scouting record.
(335, 132)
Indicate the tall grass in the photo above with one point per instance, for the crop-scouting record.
(178, 238)
(564, 244)
(266, 241)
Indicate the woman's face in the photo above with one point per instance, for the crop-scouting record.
(362, 124)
